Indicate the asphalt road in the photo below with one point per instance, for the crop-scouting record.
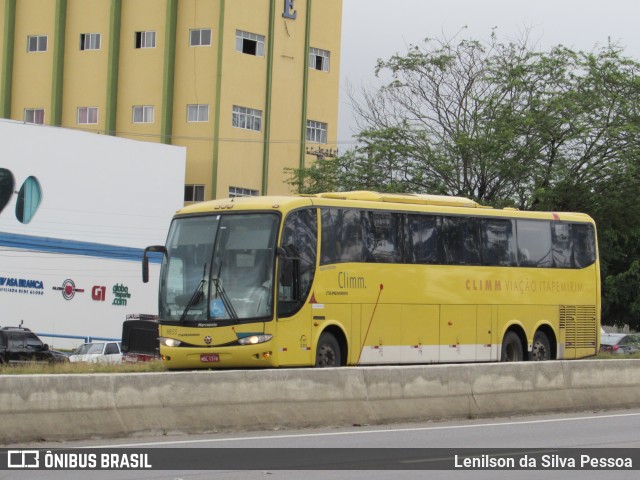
(543, 434)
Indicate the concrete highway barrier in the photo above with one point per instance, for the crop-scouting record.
(68, 407)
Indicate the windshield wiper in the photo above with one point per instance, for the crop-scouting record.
(197, 295)
(220, 292)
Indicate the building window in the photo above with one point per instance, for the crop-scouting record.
(246, 118)
(197, 113)
(142, 114)
(34, 115)
(87, 115)
(319, 59)
(242, 192)
(200, 37)
(316, 131)
(193, 193)
(250, 43)
(145, 40)
(37, 43)
(89, 41)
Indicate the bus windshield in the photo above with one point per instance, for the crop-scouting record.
(219, 269)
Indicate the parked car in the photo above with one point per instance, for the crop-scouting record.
(98, 352)
(20, 345)
(140, 338)
(620, 343)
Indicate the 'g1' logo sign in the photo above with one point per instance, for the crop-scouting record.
(98, 293)
(289, 11)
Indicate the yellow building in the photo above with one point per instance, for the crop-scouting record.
(250, 87)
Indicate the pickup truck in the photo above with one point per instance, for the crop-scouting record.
(19, 345)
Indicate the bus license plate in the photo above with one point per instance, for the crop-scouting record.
(209, 357)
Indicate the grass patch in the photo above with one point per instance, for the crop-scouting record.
(154, 366)
(70, 368)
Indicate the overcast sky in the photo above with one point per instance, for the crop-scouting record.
(373, 29)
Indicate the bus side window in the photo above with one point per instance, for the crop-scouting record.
(341, 236)
(460, 241)
(328, 249)
(534, 243)
(584, 245)
(350, 244)
(422, 239)
(497, 242)
(382, 237)
(562, 245)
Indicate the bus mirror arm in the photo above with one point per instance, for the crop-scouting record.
(145, 260)
(287, 252)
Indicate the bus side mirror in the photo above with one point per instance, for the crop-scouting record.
(145, 260)
(286, 275)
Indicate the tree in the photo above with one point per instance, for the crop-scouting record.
(377, 163)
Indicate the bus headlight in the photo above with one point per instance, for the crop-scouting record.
(254, 339)
(169, 342)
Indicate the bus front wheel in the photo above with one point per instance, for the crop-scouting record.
(328, 351)
(512, 348)
(541, 349)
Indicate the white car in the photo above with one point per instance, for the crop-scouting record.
(98, 352)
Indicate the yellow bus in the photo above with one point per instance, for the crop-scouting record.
(363, 278)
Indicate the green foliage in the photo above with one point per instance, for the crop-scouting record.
(376, 164)
(507, 125)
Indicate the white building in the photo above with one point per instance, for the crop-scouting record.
(76, 210)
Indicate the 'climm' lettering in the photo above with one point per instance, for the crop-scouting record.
(486, 285)
(347, 281)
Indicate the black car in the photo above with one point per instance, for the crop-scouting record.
(21, 345)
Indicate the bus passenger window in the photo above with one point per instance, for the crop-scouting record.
(382, 237)
(341, 236)
(534, 243)
(562, 245)
(422, 239)
(584, 245)
(350, 238)
(497, 242)
(328, 251)
(460, 241)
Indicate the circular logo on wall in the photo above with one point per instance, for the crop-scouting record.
(68, 289)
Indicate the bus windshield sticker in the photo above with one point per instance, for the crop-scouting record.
(217, 308)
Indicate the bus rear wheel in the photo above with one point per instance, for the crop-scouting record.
(540, 349)
(512, 348)
(328, 351)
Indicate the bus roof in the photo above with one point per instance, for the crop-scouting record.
(369, 199)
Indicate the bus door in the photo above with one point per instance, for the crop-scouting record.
(297, 256)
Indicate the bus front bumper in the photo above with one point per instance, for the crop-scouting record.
(238, 356)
